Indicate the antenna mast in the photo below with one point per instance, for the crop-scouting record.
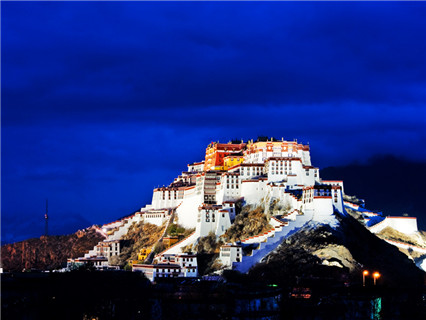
(46, 218)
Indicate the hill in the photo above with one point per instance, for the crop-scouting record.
(338, 254)
(47, 253)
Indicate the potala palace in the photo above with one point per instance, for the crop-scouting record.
(204, 198)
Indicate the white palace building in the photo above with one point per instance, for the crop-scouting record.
(204, 196)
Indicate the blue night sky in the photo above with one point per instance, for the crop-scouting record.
(102, 101)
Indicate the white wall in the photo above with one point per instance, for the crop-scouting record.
(223, 222)
(196, 167)
(288, 167)
(207, 221)
(229, 254)
(187, 211)
(253, 190)
(262, 153)
(229, 188)
(155, 217)
(407, 225)
(323, 209)
(230, 206)
(337, 197)
(160, 202)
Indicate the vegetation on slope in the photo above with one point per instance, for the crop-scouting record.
(249, 222)
(140, 235)
(207, 250)
(208, 244)
(392, 234)
(179, 231)
(47, 253)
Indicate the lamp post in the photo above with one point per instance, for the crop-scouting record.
(376, 276)
(364, 274)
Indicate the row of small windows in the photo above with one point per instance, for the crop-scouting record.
(229, 249)
(322, 192)
(281, 172)
(151, 216)
(187, 259)
(254, 172)
(280, 165)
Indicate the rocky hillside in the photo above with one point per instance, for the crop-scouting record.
(321, 252)
(46, 253)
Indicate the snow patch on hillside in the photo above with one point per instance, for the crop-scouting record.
(267, 247)
(325, 219)
(421, 263)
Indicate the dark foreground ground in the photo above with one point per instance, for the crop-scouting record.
(125, 295)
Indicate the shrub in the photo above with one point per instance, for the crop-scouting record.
(250, 221)
(207, 244)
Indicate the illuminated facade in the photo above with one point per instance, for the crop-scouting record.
(260, 151)
(205, 196)
(216, 153)
(230, 161)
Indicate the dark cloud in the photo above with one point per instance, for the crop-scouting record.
(91, 56)
(103, 101)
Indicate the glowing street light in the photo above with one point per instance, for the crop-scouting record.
(376, 276)
(364, 274)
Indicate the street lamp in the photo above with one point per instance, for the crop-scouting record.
(364, 274)
(376, 276)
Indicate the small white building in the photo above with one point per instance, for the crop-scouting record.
(196, 167)
(98, 262)
(334, 183)
(290, 170)
(108, 249)
(230, 253)
(212, 218)
(228, 188)
(157, 217)
(154, 271)
(248, 170)
(169, 266)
